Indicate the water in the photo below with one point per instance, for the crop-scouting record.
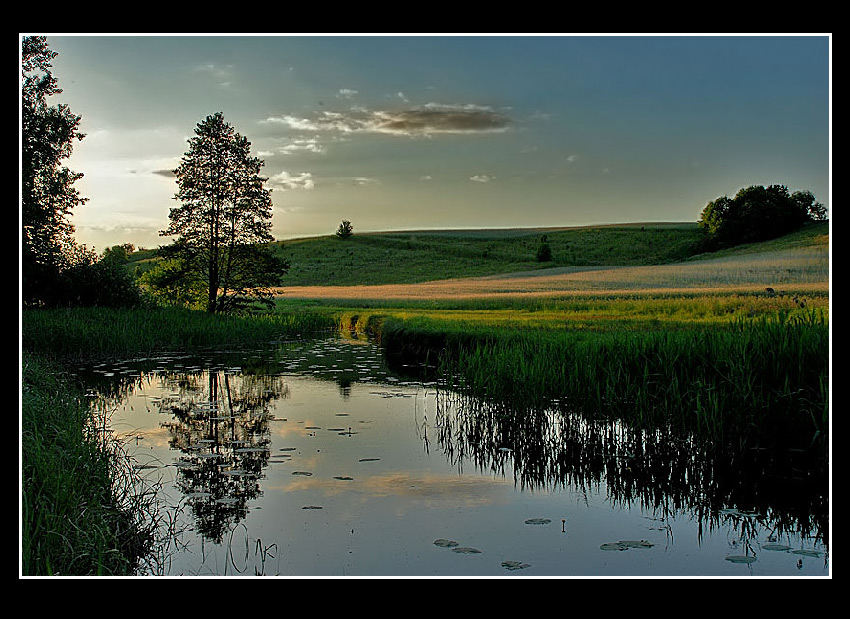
(316, 459)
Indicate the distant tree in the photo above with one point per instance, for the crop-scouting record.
(345, 229)
(544, 251)
(119, 253)
(223, 227)
(757, 213)
(48, 196)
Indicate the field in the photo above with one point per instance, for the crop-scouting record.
(613, 261)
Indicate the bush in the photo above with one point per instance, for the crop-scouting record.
(544, 251)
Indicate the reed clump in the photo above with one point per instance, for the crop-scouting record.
(106, 332)
(753, 381)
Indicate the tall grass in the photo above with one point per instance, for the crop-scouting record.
(82, 512)
(752, 381)
(102, 332)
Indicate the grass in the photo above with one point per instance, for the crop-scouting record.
(413, 257)
(102, 333)
(81, 511)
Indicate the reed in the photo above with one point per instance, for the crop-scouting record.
(103, 332)
(750, 381)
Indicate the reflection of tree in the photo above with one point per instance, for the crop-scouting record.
(658, 470)
(220, 423)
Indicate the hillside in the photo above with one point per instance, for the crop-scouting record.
(409, 257)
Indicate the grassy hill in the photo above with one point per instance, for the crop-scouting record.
(408, 257)
(418, 256)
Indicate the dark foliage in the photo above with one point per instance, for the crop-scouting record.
(757, 213)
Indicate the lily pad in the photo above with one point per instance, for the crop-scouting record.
(628, 543)
(613, 546)
(368, 459)
(740, 559)
(515, 565)
(445, 543)
(538, 521)
(807, 553)
(312, 507)
(343, 477)
(305, 473)
(466, 550)
(772, 546)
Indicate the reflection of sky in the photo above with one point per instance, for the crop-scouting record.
(424, 489)
(435, 132)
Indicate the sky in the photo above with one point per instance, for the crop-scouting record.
(411, 132)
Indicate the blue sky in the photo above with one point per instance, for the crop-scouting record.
(448, 131)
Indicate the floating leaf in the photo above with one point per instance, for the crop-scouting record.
(740, 559)
(538, 521)
(628, 543)
(515, 565)
(301, 473)
(343, 477)
(466, 550)
(368, 459)
(312, 507)
(445, 543)
(807, 553)
(772, 546)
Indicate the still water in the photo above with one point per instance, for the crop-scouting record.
(317, 459)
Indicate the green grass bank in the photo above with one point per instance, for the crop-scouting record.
(80, 514)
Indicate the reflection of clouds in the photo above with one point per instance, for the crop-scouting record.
(430, 119)
(434, 490)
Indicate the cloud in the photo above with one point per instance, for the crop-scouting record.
(309, 145)
(285, 180)
(220, 73)
(427, 120)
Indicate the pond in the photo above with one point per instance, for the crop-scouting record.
(320, 458)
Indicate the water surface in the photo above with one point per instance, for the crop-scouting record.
(316, 459)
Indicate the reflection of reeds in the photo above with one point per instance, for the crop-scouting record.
(665, 472)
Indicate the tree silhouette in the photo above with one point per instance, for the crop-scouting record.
(48, 195)
(224, 222)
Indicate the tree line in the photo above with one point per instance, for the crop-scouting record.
(220, 259)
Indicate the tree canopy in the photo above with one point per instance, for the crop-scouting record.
(220, 259)
(757, 213)
(48, 195)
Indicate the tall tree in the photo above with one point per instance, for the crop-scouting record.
(224, 222)
(48, 195)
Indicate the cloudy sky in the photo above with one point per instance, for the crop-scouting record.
(413, 132)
